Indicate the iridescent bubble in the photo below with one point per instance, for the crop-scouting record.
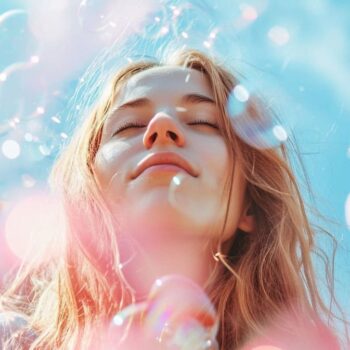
(177, 314)
(279, 35)
(11, 149)
(252, 121)
(180, 314)
(46, 149)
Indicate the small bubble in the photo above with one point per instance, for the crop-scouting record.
(157, 19)
(213, 34)
(279, 35)
(77, 107)
(241, 93)
(11, 149)
(56, 120)
(45, 150)
(185, 35)
(280, 133)
(63, 135)
(176, 12)
(207, 44)
(164, 30)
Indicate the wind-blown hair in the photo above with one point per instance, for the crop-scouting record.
(256, 277)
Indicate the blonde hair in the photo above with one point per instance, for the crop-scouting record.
(257, 275)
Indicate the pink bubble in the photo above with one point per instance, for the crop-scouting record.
(176, 315)
(32, 228)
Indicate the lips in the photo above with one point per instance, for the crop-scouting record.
(164, 158)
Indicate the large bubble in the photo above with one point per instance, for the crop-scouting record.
(176, 315)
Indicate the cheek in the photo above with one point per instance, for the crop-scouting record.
(111, 160)
(217, 161)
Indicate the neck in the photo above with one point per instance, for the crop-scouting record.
(148, 258)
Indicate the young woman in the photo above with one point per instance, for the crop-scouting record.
(156, 182)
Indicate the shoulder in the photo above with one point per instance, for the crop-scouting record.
(14, 331)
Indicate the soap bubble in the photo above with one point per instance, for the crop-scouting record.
(176, 315)
(252, 121)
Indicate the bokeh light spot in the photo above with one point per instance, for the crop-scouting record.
(249, 13)
(279, 35)
(11, 149)
(31, 228)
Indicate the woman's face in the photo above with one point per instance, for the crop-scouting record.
(162, 162)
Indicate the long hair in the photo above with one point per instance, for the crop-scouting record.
(256, 276)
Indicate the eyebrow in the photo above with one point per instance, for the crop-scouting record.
(143, 101)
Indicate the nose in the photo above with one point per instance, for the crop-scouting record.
(163, 129)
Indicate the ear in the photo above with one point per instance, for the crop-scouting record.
(247, 220)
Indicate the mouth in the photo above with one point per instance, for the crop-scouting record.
(166, 162)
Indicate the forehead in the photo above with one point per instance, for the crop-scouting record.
(165, 82)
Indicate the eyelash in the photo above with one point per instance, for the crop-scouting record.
(127, 126)
(205, 122)
(139, 125)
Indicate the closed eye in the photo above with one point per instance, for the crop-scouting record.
(204, 122)
(128, 125)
